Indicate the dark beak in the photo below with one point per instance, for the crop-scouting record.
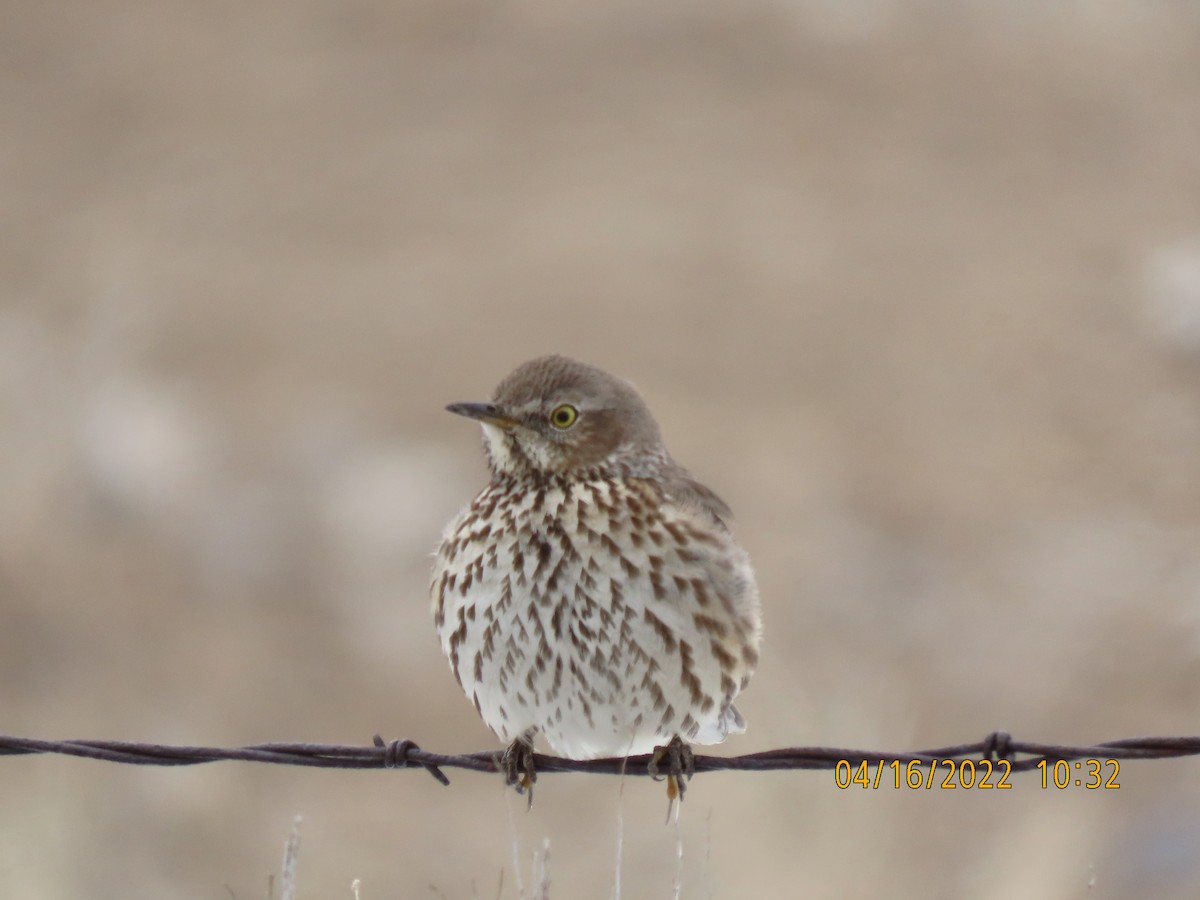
(482, 412)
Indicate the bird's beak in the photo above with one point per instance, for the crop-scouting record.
(482, 412)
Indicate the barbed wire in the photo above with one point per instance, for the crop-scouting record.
(1023, 755)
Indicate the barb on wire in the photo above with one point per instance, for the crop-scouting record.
(1023, 755)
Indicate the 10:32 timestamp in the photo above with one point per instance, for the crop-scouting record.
(1084, 773)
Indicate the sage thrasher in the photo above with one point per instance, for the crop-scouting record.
(592, 592)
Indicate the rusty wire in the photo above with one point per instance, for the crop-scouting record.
(1023, 755)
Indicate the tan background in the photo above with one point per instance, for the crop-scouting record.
(915, 287)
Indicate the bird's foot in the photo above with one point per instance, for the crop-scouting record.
(681, 766)
(517, 765)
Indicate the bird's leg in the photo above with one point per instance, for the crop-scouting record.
(517, 765)
(681, 765)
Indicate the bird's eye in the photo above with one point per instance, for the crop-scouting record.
(564, 416)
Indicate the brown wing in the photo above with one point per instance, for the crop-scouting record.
(685, 490)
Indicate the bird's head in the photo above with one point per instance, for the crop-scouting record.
(554, 415)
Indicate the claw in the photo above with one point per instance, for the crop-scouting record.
(681, 766)
(517, 765)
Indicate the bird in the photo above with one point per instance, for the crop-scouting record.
(593, 593)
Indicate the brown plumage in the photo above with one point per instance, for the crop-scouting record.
(592, 592)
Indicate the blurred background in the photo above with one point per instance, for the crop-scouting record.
(914, 286)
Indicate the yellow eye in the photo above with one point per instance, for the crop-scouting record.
(564, 416)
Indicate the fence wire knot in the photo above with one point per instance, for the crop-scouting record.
(998, 746)
(398, 755)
